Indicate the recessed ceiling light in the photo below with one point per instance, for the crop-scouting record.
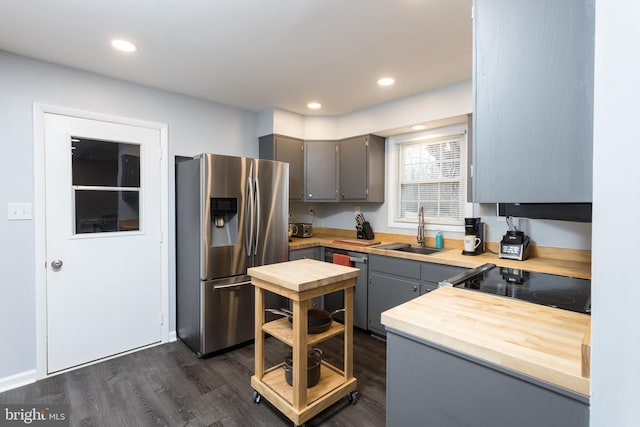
(418, 127)
(314, 105)
(123, 45)
(386, 81)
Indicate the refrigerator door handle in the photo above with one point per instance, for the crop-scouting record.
(257, 200)
(248, 234)
(232, 285)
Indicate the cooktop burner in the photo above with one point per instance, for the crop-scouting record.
(568, 293)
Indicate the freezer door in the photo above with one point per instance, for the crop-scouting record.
(271, 182)
(227, 313)
(225, 215)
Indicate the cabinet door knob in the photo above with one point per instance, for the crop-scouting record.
(415, 288)
(310, 195)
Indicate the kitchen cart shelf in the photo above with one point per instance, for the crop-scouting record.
(301, 281)
(282, 329)
(331, 379)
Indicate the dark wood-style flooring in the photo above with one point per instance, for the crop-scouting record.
(168, 385)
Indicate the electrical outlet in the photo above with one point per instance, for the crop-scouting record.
(311, 211)
(18, 211)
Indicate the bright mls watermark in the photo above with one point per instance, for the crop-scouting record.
(36, 415)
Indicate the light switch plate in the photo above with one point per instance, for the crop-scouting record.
(18, 211)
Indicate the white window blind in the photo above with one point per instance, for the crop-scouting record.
(430, 171)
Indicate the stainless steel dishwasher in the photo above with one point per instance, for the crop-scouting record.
(335, 300)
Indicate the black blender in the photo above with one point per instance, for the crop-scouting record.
(514, 244)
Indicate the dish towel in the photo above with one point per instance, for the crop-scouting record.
(341, 259)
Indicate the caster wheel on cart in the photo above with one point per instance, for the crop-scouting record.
(256, 397)
(351, 397)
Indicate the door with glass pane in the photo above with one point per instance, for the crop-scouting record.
(103, 239)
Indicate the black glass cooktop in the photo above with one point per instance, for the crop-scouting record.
(568, 293)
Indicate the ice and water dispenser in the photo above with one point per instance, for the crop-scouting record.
(224, 221)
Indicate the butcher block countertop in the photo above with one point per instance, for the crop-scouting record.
(563, 262)
(543, 342)
(302, 275)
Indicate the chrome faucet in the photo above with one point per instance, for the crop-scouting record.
(420, 237)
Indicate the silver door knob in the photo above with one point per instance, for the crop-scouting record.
(57, 263)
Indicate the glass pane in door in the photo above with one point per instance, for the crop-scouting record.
(106, 185)
(103, 211)
(105, 163)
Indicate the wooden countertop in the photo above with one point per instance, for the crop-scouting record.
(543, 342)
(302, 275)
(562, 262)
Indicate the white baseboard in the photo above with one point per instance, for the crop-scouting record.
(17, 380)
(173, 336)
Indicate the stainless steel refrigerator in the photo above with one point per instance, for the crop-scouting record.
(231, 214)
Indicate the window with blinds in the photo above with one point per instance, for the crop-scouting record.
(430, 171)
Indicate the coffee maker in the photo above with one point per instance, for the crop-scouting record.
(475, 227)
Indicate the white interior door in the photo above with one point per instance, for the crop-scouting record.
(103, 239)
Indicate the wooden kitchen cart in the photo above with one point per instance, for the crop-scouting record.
(301, 281)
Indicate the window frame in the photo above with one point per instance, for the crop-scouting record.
(392, 177)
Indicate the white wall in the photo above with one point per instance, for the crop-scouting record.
(615, 374)
(194, 126)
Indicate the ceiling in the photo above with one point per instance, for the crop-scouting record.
(255, 54)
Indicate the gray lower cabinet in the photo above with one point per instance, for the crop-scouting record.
(289, 150)
(431, 274)
(392, 281)
(361, 169)
(321, 171)
(308, 253)
(533, 101)
(429, 385)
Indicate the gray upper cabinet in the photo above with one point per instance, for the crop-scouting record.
(289, 150)
(361, 161)
(533, 100)
(321, 171)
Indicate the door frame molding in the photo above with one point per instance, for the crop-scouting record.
(39, 111)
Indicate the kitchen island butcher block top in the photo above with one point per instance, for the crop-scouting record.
(302, 275)
(539, 341)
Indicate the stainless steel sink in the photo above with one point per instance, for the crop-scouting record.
(405, 247)
(419, 250)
